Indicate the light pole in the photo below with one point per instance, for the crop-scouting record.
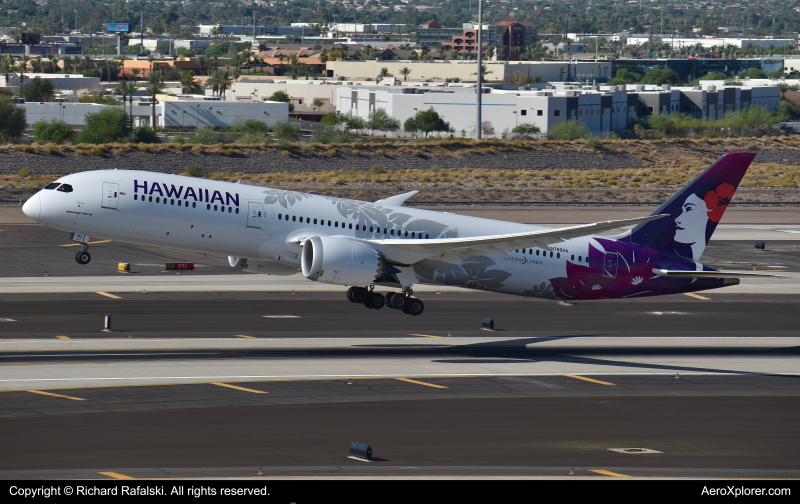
(76, 20)
(480, 76)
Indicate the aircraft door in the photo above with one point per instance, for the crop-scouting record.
(610, 265)
(254, 212)
(110, 195)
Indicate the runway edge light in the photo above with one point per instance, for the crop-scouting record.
(107, 323)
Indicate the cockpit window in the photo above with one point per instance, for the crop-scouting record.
(65, 188)
(52, 186)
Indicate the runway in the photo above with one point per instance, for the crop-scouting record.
(214, 374)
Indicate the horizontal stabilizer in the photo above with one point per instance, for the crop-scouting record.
(397, 199)
(712, 274)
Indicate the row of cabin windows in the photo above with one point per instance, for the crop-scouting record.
(358, 227)
(557, 254)
(158, 199)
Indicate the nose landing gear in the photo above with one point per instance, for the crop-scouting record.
(83, 257)
(397, 300)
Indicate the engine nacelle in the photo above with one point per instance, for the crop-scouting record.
(340, 261)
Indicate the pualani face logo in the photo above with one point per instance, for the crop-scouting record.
(201, 195)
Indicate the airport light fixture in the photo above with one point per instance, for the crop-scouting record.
(480, 76)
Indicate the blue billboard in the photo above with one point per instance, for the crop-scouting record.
(119, 27)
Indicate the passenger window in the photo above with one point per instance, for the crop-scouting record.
(558, 256)
(65, 188)
(329, 223)
(315, 221)
(308, 220)
(370, 229)
(537, 251)
(580, 258)
(427, 236)
(406, 234)
(336, 224)
(52, 186)
(237, 210)
(280, 216)
(551, 254)
(135, 196)
(179, 202)
(350, 226)
(357, 228)
(294, 219)
(172, 202)
(158, 200)
(151, 199)
(573, 257)
(208, 207)
(392, 231)
(384, 231)
(165, 201)
(259, 214)
(215, 208)
(230, 209)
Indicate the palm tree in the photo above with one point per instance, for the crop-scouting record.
(440, 48)
(201, 60)
(484, 72)
(294, 65)
(151, 58)
(128, 89)
(154, 87)
(405, 72)
(306, 70)
(281, 57)
(6, 67)
(135, 73)
(384, 73)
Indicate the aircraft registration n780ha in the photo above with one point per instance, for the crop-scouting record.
(366, 244)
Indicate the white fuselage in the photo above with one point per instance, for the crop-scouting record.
(246, 221)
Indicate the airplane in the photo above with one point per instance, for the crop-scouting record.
(363, 244)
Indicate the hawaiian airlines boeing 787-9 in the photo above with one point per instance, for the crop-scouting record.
(362, 244)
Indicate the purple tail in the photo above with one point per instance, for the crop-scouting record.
(695, 210)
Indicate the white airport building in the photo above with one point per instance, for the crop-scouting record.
(604, 110)
(681, 42)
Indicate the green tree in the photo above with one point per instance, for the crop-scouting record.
(427, 122)
(330, 119)
(13, 124)
(661, 76)
(525, 130)
(625, 76)
(317, 103)
(753, 73)
(380, 120)
(249, 126)
(715, 76)
(384, 73)
(127, 88)
(329, 135)
(145, 134)
(107, 126)
(353, 121)
(294, 65)
(405, 72)
(188, 82)
(39, 90)
(282, 96)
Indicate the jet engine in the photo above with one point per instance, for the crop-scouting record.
(340, 261)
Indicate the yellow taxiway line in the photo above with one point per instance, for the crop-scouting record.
(609, 473)
(239, 388)
(696, 296)
(425, 335)
(245, 336)
(106, 294)
(116, 475)
(589, 379)
(90, 243)
(421, 383)
(62, 337)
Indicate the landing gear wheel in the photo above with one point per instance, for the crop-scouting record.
(414, 307)
(350, 294)
(83, 257)
(389, 297)
(399, 302)
(375, 301)
(360, 294)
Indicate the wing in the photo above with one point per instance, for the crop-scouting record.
(397, 199)
(712, 274)
(409, 251)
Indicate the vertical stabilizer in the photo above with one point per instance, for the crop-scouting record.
(695, 210)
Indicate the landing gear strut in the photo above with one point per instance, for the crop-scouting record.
(375, 301)
(83, 257)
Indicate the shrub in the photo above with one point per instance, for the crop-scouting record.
(249, 126)
(254, 138)
(24, 172)
(330, 135)
(207, 136)
(569, 130)
(286, 130)
(593, 141)
(194, 169)
(107, 126)
(53, 131)
(376, 168)
(13, 124)
(145, 134)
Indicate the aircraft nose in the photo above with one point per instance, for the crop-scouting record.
(33, 207)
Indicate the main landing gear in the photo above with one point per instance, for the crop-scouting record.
(83, 256)
(376, 301)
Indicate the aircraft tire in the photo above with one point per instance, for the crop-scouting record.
(83, 257)
(360, 294)
(399, 302)
(390, 299)
(350, 295)
(375, 301)
(414, 307)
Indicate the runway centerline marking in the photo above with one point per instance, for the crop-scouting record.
(421, 383)
(425, 335)
(609, 473)
(245, 336)
(90, 243)
(106, 294)
(116, 475)
(219, 384)
(696, 296)
(62, 337)
(589, 379)
(55, 395)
